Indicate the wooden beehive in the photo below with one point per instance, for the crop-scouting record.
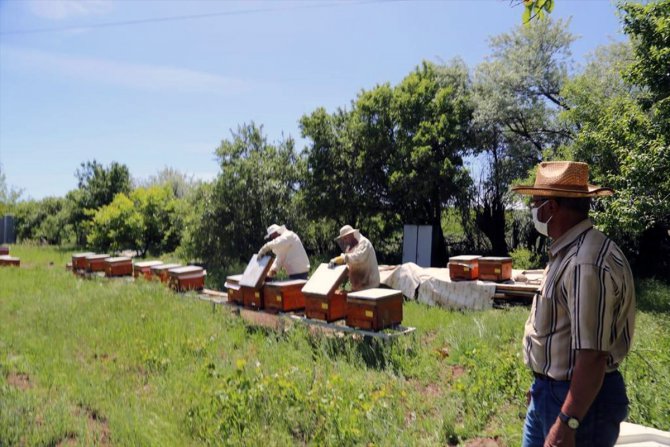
(252, 298)
(4, 250)
(323, 301)
(374, 309)
(6, 261)
(119, 266)
(190, 277)
(464, 267)
(96, 263)
(495, 268)
(142, 269)
(284, 296)
(79, 260)
(251, 282)
(160, 272)
(232, 285)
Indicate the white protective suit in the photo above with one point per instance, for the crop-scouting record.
(291, 255)
(361, 261)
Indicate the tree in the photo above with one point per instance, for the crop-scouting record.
(147, 220)
(517, 95)
(42, 220)
(181, 184)
(254, 189)
(621, 111)
(97, 187)
(8, 196)
(395, 158)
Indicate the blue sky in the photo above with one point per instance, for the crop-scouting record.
(166, 92)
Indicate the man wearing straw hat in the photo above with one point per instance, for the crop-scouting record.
(291, 255)
(360, 257)
(582, 320)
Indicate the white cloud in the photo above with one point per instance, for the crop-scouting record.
(63, 9)
(139, 76)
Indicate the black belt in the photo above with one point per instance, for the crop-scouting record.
(539, 376)
(545, 377)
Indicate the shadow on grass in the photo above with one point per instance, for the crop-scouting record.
(374, 353)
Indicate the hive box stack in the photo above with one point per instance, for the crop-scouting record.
(183, 279)
(464, 268)
(284, 296)
(495, 269)
(4, 250)
(119, 266)
(6, 260)
(374, 309)
(323, 301)
(95, 263)
(234, 291)
(79, 261)
(143, 268)
(160, 272)
(251, 283)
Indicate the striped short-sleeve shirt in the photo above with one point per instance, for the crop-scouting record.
(586, 301)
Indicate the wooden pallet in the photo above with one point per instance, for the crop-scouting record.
(283, 321)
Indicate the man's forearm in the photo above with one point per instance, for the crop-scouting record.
(587, 378)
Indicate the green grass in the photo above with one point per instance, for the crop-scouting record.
(112, 362)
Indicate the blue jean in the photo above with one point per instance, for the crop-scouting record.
(600, 426)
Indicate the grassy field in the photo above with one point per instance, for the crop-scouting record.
(112, 362)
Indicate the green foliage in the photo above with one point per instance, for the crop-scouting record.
(150, 220)
(8, 196)
(97, 187)
(621, 112)
(182, 185)
(535, 9)
(649, 28)
(524, 259)
(517, 94)
(43, 220)
(297, 407)
(253, 190)
(139, 365)
(397, 154)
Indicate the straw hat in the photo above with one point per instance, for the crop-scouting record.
(347, 229)
(562, 179)
(274, 228)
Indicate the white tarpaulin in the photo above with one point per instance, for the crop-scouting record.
(434, 287)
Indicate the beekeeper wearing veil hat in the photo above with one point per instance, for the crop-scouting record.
(291, 255)
(360, 257)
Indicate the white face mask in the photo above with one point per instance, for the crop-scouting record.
(541, 227)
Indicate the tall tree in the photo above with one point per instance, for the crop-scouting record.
(517, 94)
(621, 109)
(97, 187)
(396, 157)
(254, 189)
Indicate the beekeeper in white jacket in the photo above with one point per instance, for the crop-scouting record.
(291, 255)
(360, 257)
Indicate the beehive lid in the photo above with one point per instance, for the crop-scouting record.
(374, 294)
(256, 271)
(160, 267)
(83, 255)
(234, 278)
(118, 259)
(143, 264)
(96, 257)
(8, 258)
(325, 279)
(464, 258)
(186, 269)
(495, 259)
(286, 283)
